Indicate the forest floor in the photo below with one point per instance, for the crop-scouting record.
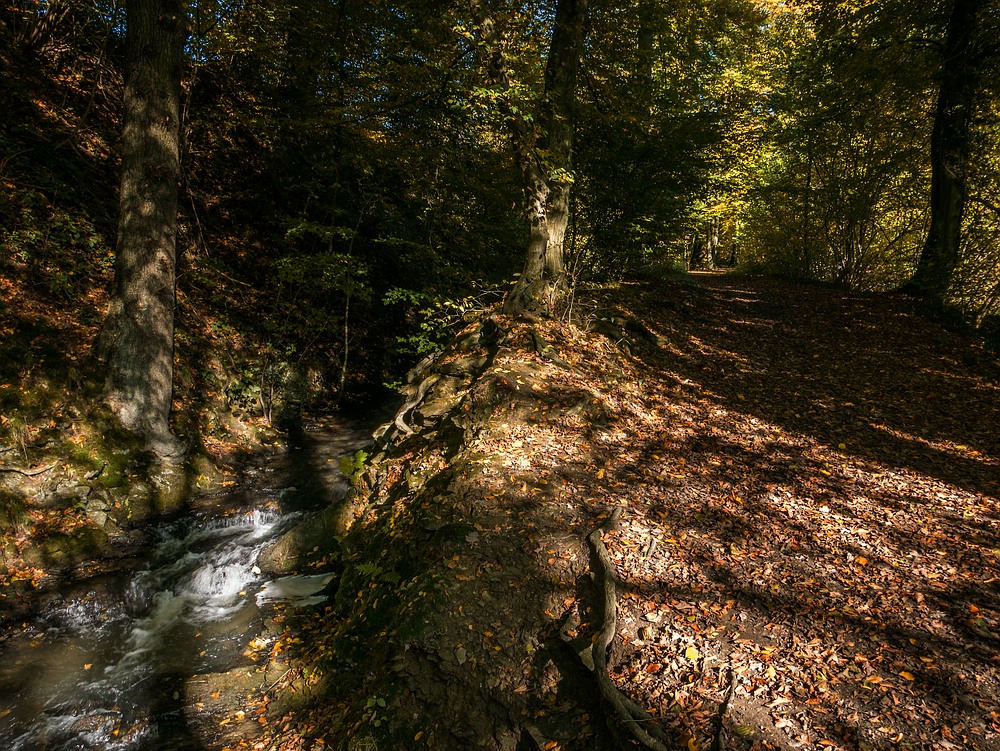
(808, 488)
(810, 492)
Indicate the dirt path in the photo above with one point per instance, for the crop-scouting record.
(808, 485)
(827, 525)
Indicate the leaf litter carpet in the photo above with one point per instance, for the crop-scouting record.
(810, 482)
(807, 484)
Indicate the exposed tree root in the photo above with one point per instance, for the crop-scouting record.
(413, 401)
(719, 742)
(29, 472)
(546, 351)
(633, 717)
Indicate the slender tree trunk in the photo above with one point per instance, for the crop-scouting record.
(735, 247)
(805, 257)
(548, 182)
(949, 155)
(137, 339)
(647, 39)
(713, 242)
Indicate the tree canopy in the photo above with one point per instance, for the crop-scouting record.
(620, 504)
(365, 172)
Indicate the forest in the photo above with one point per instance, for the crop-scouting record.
(680, 317)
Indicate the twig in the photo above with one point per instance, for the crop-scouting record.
(280, 679)
(650, 549)
(29, 472)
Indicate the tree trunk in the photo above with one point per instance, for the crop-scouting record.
(548, 182)
(713, 242)
(138, 334)
(647, 40)
(949, 155)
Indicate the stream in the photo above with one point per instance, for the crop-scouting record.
(104, 666)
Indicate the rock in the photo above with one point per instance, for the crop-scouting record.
(211, 698)
(65, 551)
(315, 538)
(95, 723)
(170, 481)
(207, 477)
(464, 366)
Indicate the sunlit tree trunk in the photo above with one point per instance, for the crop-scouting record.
(949, 155)
(137, 340)
(547, 169)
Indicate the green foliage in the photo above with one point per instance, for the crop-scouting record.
(375, 572)
(16, 431)
(268, 386)
(350, 189)
(13, 513)
(63, 246)
(324, 273)
(431, 320)
(375, 710)
(351, 465)
(839, 187)
(661, 122)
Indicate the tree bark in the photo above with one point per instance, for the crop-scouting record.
(546, 167)
(138, 334)
(647, 40)
(950, 140)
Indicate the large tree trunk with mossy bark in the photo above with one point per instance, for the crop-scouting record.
(138, 335)
(546, 160)
(543, 282)
(950, 141)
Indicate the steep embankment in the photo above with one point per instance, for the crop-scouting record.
(797, 490)
(73, 486)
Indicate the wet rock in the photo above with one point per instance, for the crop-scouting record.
(97, 723)
(97, 509)
(67, 550)
(216, 706)
(206, 476)
(170, 481)
(61, 495)
(315, 538)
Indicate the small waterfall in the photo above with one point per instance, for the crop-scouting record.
(94, 677)
(107, 668)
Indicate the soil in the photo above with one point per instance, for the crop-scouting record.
(807, 483)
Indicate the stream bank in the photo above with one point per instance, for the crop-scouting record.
(465, 595)
(796, 492)
(147, 650)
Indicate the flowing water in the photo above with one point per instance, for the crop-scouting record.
(105, 669)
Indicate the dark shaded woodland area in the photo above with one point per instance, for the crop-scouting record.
(731, 267)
